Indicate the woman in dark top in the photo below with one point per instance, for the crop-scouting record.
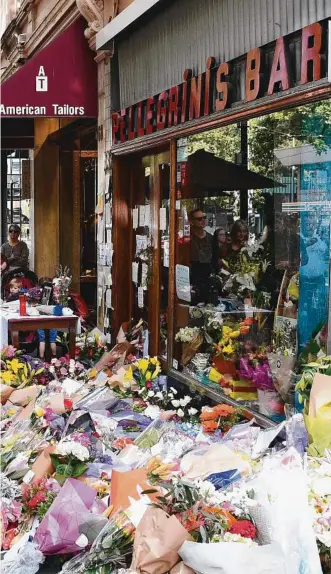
(220, 248)
(15, 251)
(239, 238)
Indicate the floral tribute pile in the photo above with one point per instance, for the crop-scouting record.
(108, 468)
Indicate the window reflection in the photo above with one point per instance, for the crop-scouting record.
(253, 231)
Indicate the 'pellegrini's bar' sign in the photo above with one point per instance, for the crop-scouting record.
(289, 61)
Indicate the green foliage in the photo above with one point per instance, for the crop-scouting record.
(310, 124)
(321, 365)
(43, 507)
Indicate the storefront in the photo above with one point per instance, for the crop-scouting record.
(49, 157)
(221, 216)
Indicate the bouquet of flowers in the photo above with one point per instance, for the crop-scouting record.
(255, 367)
(245, 271)
(65, 367)
(152, 401)
(144, 372)
(321, 365)
(38, 497)
(157, 471)
(112, 547)
(19, 373)
(90, 346)
(69, 459)
(229, 343)
(281, 358)
(191, 339)
(61, 283)
(221, 417)
(319, 482)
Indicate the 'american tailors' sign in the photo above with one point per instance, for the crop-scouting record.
(289, 61)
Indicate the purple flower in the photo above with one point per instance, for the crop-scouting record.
(262, 378)
(63, 371)
(49, 415)
(246, 371)
(10, 352)
(82, 438)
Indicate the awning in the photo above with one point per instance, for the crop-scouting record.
(66, 72)
(208, 175)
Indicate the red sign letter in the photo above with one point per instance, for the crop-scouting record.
(253, 66)
(161, 114)
(222, 87)
(279, 71)
(195, 99)
(311, 54)
(209, 65)
(150, 115)
(140, 128)
(173, 106)
(131, 132)
(115, 125)
(122, 125)
(186, 76)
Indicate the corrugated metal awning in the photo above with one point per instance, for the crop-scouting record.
(135, 10)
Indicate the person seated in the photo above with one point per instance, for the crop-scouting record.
(15, 251)
(15, 289)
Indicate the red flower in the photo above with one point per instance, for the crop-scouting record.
(244, 528)
(148, 385)
(77, 351)
(36, 500)
(68, 404)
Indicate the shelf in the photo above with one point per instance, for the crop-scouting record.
(195, 385)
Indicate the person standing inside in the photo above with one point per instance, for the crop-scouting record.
(15, 251)
(201, 253)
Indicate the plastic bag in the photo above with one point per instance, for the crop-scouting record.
(26, 561)
(233, 558)
(282, 515)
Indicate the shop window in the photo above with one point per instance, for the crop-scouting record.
(18, 193)
(253, 254)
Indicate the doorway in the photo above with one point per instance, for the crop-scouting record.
(141, 212)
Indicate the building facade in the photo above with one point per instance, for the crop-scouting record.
(52, 138)
(219, 109)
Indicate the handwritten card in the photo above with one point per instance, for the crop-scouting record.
(140, 297)
(135, 217)
(163, 219)
(135, 272)
(183, 286)
(141, 216)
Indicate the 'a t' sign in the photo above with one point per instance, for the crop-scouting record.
(41, 81)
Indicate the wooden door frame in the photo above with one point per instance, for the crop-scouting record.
(124, 194)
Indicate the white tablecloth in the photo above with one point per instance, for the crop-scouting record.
(10, 311)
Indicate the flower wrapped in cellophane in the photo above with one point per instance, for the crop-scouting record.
(144, 371)
(112, 548)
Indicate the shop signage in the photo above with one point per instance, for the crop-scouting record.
(290, 61)
(58, 81)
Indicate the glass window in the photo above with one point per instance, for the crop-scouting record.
(253, 253)
(19, 192)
